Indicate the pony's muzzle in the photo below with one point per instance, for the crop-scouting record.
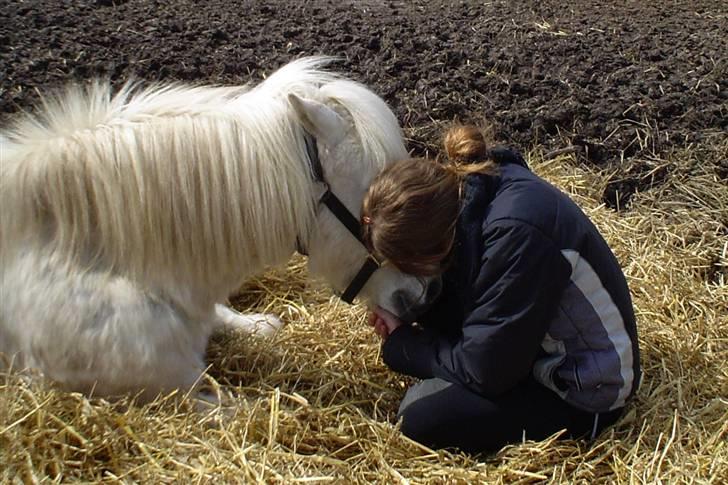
(409, 306)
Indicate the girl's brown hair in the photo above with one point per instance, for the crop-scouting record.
(410, 210)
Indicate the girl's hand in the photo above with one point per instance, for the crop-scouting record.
(384, 322)
(380, 328)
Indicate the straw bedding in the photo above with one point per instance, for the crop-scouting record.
(316, 404)
(624, 104)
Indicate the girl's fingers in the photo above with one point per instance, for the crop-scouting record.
(383, 322)
(389, 318)
(372, 319)
(391, 322)
(381, 329)
(382, 313)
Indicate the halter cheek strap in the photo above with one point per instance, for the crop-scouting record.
(334, 204)
(365, 272)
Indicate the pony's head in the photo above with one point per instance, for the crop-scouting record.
(356, 136)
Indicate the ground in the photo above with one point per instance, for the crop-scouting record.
(623, 104)
(617, 80)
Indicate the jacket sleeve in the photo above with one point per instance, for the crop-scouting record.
(516, 292)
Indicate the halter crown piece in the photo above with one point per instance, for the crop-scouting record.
(334, 204)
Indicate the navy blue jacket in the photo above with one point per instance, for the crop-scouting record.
(533, 288)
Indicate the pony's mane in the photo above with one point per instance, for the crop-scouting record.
(209, 182)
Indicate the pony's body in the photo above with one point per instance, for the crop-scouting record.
(127, 218)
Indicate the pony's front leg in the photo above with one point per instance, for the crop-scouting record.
(260, 324)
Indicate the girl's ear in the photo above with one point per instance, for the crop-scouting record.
(319, 120)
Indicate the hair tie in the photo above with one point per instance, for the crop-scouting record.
(366, 220)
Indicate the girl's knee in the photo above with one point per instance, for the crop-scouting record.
(422, 416)
(416, 425)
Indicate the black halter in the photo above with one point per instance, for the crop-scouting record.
(340, 211)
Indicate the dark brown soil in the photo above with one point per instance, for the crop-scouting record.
(623, 81)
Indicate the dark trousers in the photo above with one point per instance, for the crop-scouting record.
(440, 414)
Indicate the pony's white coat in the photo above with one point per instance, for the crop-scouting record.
(125, 218)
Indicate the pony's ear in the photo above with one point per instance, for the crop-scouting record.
(320, 120)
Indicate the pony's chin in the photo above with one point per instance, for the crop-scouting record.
(407, 310)
(406, 313)
(408, 317)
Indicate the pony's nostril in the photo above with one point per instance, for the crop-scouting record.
(402, 303)
(400, 299)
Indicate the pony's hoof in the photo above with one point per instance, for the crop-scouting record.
(266, 324)
(259, 324)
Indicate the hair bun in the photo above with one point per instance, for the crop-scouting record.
(465, 143)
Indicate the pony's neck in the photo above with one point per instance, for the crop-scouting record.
(276, 197)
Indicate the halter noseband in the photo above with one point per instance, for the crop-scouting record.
(330, 200)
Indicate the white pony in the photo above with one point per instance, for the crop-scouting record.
(125, 219)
